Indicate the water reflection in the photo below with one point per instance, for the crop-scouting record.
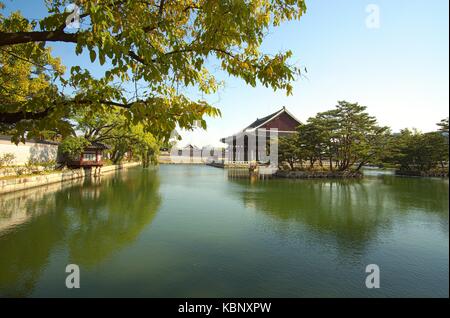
(90, 220)
(354, 212)
(219, 237)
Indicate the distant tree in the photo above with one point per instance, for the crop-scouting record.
(327, 124)
(113, 129)
(416, 151)
(288, 151)
(311, 142)
(348, 136)
(437, 147)
(72, 147)
(444, 125)
(378, 145)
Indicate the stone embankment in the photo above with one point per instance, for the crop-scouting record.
(26, 182)
(317, 174)
(435, 174)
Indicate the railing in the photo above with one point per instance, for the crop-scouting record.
(85, 163)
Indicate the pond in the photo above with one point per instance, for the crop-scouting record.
(190, 231)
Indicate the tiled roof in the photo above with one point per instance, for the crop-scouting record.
(97, 145)
(260, 121)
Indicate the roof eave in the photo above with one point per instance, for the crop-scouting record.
(274, 116)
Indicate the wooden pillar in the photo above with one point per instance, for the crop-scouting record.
(246, 148)
(234, 148)
(257, 150)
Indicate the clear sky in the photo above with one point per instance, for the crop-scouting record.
(399, 70)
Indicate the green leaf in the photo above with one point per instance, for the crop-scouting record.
(92, 55)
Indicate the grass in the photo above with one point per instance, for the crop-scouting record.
(25, 175)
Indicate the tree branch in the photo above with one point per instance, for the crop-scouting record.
(7, 38)
(10, 118)
(13, 118)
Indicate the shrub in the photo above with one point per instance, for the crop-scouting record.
(72, 147)
(46, 165)
(21, 171)
(7, 159)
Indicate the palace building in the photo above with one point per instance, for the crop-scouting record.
(240, 145)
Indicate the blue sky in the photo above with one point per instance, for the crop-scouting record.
(399, 70)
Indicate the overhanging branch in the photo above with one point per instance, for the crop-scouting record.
(14, 118)
(7, 38)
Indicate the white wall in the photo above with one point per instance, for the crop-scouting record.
(41, 152)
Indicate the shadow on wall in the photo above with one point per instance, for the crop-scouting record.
(30, 151)
(43, 153)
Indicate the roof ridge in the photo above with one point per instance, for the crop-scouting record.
(259, 121)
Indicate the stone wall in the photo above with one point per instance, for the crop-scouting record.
(432, 173)
(21, 183)
(317, 174)
(34, 151)
(14, 206)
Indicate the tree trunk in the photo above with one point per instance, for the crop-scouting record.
(361, 164)
(146, 159)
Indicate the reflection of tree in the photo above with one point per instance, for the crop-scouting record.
(351, 211)
(25, 252)
(95, 220)
(110, 216)
(426, 194)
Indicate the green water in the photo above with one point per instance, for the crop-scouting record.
(189, 231)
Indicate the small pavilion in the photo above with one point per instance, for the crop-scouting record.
(91, 156)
